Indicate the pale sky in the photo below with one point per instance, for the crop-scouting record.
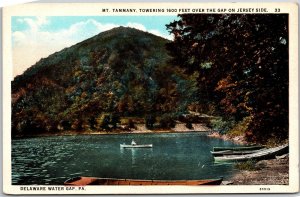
(35, 37)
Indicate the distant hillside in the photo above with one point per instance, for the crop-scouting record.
(119, 73)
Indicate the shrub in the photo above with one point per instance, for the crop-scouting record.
(105, 122)
(149, 121)
(248, 165)
(241, 127)
(65, 125)
(220, 125)
(189, 125)
(131, 124)
(167, 121)
(77, 125)
(114, 120)
(273, 142)
(92, 122)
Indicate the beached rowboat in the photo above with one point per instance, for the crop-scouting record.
(236, 148)
(262, 154)
(233, 152)
(80, 181)
(136, 146)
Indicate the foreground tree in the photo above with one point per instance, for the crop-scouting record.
(242, 61)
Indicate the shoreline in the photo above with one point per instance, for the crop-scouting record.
(236, 139)
(140, 129)
(265, 172)
(74, 133)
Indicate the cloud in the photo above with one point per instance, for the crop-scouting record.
(158, 33)
(136, 26)
(143, 28)
(34, 43)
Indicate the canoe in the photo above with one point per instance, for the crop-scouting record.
(81, 181)
(233, 152)
(136, 146)
(269, 153)
(237, 148)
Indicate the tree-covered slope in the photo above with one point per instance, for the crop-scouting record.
(120, 72)
(243, 66)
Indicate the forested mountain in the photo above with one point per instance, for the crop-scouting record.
(234, 67)
(122, 72)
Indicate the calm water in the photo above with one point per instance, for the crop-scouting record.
(52, 160)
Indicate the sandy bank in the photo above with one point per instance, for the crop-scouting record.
(267, 172)
(140, 128)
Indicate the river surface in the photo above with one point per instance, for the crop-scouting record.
(174, 156)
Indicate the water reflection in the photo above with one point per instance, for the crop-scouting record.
(133, 156)
(137, 154)
(51, 160)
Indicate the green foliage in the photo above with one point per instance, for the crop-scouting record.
(104, 124)
(149, 121)
(249, 165)
(77, 125)
(241, 127)
(128, 122)
(189, 125)
(221, 125)
(122, 71)
(114, 120)
(92, 122)
(274, 141)
(131, 124)
(242, 61)
(65, 125)
(167, 121)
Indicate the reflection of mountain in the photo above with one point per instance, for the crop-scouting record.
(122, 71)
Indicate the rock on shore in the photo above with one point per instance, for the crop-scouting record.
(236, 139)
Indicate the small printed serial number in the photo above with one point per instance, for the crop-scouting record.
(264, 189)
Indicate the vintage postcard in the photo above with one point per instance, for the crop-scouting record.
(150, 98)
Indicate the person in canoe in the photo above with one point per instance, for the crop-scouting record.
(133, 143)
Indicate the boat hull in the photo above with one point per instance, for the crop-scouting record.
(243, 148)
(81, 181)
(233, 152)
(260, 155)
(136, 146)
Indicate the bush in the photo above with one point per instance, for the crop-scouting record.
(65, 125)
(273, 142)
(149, 121)
(114, 120)
(105, 122)
(220, 125)
(240, 128)
(189, 125)
(167, 121)
(131, 124)
(77, 125)
(248, 165)
(92, 122)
